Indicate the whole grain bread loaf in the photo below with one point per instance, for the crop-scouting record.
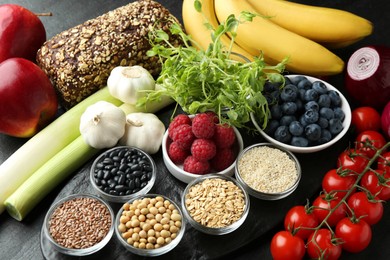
(79, 60)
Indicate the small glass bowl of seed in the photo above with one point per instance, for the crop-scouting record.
(79, 224)
(122, 172)
(215, 204)
(268, 171)
(150, 225)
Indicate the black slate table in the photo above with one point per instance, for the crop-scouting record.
(21, 240)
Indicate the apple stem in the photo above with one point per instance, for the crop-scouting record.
(43, 14)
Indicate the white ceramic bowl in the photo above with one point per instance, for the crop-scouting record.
(177, 170)
(310, 149)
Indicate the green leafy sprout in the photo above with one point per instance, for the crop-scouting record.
(211, 80)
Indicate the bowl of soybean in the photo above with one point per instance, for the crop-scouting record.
(121, 173)
(149, 225)
(79, 224)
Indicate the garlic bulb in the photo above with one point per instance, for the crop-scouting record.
(102, 125)
(126, 83)
(144, 131)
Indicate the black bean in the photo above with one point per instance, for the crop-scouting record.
(103, 182)
(100, 174)
(107, 161)
(99, 166)
(143, 184)
(120, 188)
(122, 179)
(113, 192)
(131, 184)
(137, 174)
(137, 182)
(106, 175)
(144, 178)
(123, 167)
(135, 167)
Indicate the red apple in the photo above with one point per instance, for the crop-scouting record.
(28, 100)
(21, 33)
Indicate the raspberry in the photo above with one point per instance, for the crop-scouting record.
(214, 116)
(203, 149)
(223, 159)
(183, 136)
(194, 166)
(176, 153)
(203, 126)
(224, 136)
(180, 119)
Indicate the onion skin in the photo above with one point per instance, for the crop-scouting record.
(385, 121)
(367, 78)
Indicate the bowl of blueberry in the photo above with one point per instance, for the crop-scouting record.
(307, 114)
(122, 173)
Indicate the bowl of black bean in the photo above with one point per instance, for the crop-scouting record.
(122, 173)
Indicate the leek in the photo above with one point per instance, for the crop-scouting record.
(44, 145)
(60, 166)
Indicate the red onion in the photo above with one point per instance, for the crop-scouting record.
(385, 120)
(367, 80)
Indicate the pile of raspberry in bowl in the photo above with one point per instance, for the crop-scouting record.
(201, 144)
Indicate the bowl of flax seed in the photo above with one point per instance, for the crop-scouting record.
(268, 171)
(79, 224)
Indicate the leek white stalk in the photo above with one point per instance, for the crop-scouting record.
(44, 145)
(62, 165)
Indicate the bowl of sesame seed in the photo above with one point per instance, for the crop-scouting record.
(79, 224)
(268, 171)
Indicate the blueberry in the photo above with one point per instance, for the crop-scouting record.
(335, 98)
(271, 127)
(295, 128)
(313, 132)
(320, 87)
(339, 113)
(289, 108)
(282, 134)
(286, 120)
(324, 100)
(304, 84)
(297, 79)
(326, 136)
(299, 141)
(303, 121)
(311, 116)
(312, 105)
(276, 111)
(301, 93)
(311, 95)
(299, 104)
(327, 113)
(323, 122)
(335, 126)
(289, 93)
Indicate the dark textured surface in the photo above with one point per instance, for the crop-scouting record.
(21, 240)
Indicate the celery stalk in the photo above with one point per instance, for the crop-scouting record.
(44, 145)
(51, 174)
(60, 166)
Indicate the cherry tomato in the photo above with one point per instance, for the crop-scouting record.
(353, 160)
(369, 209)
(324, 245)
(300, 217)
(378, 183)
(285, 246)
(365, 118)
(370, 138)
(322, 206)
(338, 181)
(384, 162)
(355, 234)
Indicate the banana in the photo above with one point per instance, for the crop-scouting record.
(305, 56)
(320, 24)
(194, 25)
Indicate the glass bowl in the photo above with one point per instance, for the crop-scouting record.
(128, 170)
(132, 217)
(268, 171)
(314, 148)
(203, 214)
(79, 214)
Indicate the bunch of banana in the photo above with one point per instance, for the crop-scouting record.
(283, 29)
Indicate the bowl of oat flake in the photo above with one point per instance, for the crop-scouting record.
(215, 204)
(79, 224)
(268, 171)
